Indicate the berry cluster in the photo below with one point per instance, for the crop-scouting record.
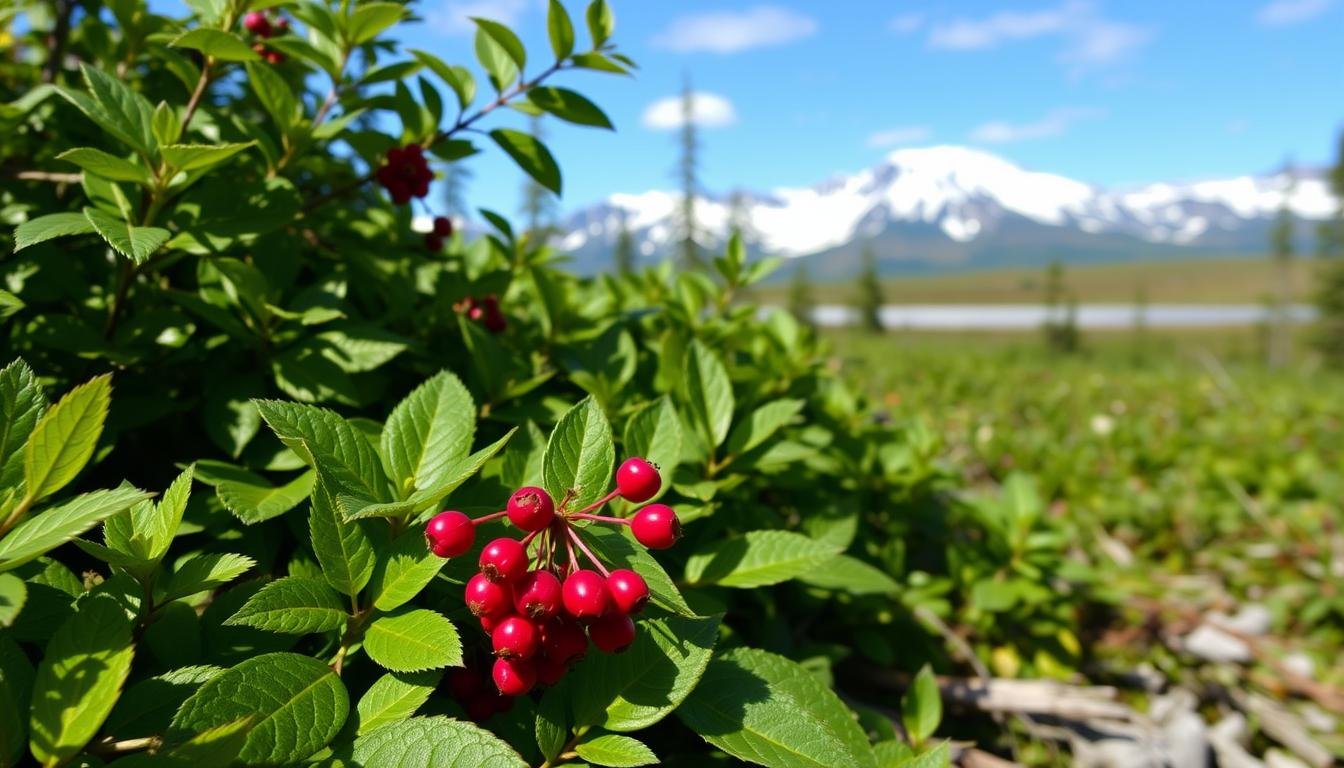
(260, 25)
(484, 311)
(540, 611)
(406, 173)
(443, 229)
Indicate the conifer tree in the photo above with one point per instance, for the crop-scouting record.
(624, 253)
(801, 303)
(870, 293)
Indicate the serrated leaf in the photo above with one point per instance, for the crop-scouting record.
(762, 424)
(432, 742)
(293, 606)
(654, 432)
(937, 757)
(206, 572)
(560, 30)
(108, 166)
(254, 500)
(642, 685)
(80, 678)
(16, 686)
(147, 707)
(847, 574)
(64, 438)
(552, 725)
(157, 524)
(615, 751)
(51, 226)
(371, 19)
(394, 697)
(134, 242)
(329, 444)
(461, 471)
(579, 456)
(53, 527)
(531, 155)
(343, 548)
(405, 569)
(709, 392)
(119, 110)
(413, 641)
(22, 403)
(275, 96)
(570, 106)
(295, 705)
(13, 594)
(222, 45)
(757, 559)
(618, 550)
(765, 709)
(428, 431)
(197, 157)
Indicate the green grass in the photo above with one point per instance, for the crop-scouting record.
(1204, 281)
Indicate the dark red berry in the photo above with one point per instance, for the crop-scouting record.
(585, 595)
(433, 243)
(490, 621)
(504, 559)
(515, 638)
(550, 671)
(612, 633)
(257, 23)
(465, 684)
(514, 677)
(443, 226)
(629, 592)
(531, 508)
(275, 57)
(563, 640)
(637, 480)
(537, 595)
(488, 598)
(656, 526)
(449, 533)
(495, 321)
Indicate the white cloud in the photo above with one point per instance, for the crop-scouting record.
(708, 110)
(906, 23)
(453, 17)
(734, 31)
(1281, 13)
(905, 134)
(1088, 37)
(1054, 123)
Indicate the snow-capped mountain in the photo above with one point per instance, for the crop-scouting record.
(945, 206)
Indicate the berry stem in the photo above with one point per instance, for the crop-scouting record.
(599, 518)
(609, 497)
(489, 517)
(578, 542)
(529, 537)
(573, 561)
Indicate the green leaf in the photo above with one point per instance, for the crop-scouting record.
(295, 705)
(560, 29)
(222, 45)
(371, 19)
(432, 742)
(765, 709)
(53, 527)
(457, 78)
(496, 61)
(616, 548)
(413, 641)
(196, 157)
(405, 569)
(598, 63)
(63, 439)
(601, 22)
(937, 757)
(654, 432)
(293, 606)
(394, 697)
(80, 678)
(506, 39)
(147, 707)
(16, 686)
(343, 548)
(457, 474)
(275, 96)
(22, 403)
(51, 226)
(761, 424)
(531, 155)
(206, 572)
(428, 432)
(253, 500)
(329, 444)
(579, 456)
(843, 573)
(570, 106)
(10, 304)
(922, 706)
(637, 688)
(552, 725)
(758, 558)
(157, 524)
(134, 242)
(616, 751)
(13, 594)
(98, 162)
(709, 391)
(116, 108)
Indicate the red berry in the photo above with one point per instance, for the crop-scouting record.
(537, 595)
(433, 243)
(550, 671)
(449, 533)
(257, 23)
(637, 480)
(612, 633)
(504, 559)
(275, 57)
(514, 677)
(495, 322)
(656, 526)
(515, 638)
(465, 684)
(531, 508)
(443, 226)
(488, 598)
(563, 640)
(490, 621)
(629, 592)
(585, 595)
